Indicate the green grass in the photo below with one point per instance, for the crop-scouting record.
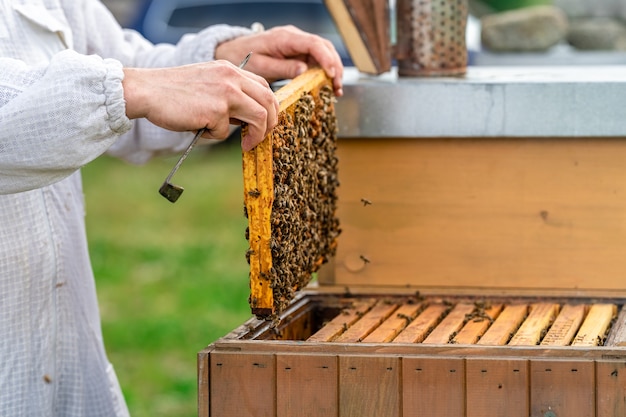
(171, 278)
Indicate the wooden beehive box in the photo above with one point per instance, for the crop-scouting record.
(473, 277)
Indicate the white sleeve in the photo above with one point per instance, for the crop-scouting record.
(58, 117)
(97, 32)
(145, 140)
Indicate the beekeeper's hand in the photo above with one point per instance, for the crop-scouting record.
(212, 95)
(283, 53)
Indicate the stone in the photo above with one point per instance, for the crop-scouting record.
(536, 28)
(597, 34)
(592, 8)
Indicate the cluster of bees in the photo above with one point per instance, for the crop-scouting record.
(304, 226)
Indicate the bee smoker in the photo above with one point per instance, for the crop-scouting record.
(431, 37)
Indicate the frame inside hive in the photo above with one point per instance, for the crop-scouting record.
(290, 182)
(435, 320)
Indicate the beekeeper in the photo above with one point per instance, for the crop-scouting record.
(74, 85)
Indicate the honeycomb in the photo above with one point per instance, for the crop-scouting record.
(290, 195)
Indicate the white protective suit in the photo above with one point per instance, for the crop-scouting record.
(61, 106)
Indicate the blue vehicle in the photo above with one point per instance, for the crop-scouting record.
(169, 20)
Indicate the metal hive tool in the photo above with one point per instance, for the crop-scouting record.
(172, 191)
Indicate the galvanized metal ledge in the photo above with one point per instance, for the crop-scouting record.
(563, 101)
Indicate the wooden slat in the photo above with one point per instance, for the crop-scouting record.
(505, 325)
(450, 325)
(369, 386)
(368, 323)
(343, 321)
(261, 296)
(611, 388)
(417, 331)
(596, 323)
(565, 325)
(536, 324)
(433, 386)
(204, 385)
(390, 328)
(497, 387)
(242, 385)
(364, 28)
(477, 325)
(306, 385)
(308, 81)
(617, 336)
(562, 388)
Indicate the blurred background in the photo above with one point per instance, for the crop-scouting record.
(168, 20)
(172, 278)
(123, 10)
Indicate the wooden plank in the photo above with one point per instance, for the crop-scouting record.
(536, 324)
(419, 328)
(515, 212)
(308, 81)
(505, 325)
(306, 385)
(390, 328)
(617, 336)
(273, 346)
(478, 324)
(368, 323)
(432, 386)
(611, 388)
(261, 296)
(565, 325)
(343, 321)
(593, 329)
(369, 386)
(243, 384)
(364, 28)
(497, 387)
(381, 13)
(562, 388)
(450, 325)
(204, 386)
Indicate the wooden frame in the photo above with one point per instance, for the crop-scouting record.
(260, 191)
